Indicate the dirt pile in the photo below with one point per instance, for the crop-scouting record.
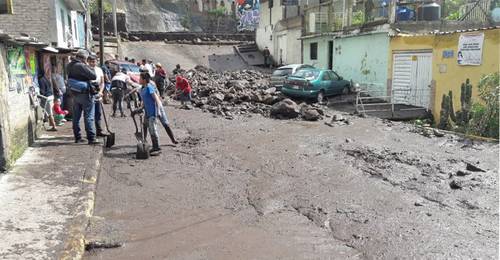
(242, 93)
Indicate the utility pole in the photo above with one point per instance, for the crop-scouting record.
(101, 32)
(88, 33)
(114, 19)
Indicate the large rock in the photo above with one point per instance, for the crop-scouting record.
(285, 109)
(311, 115)
(217, 96)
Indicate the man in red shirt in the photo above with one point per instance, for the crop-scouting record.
(182, 84)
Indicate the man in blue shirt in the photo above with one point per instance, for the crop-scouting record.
(150, 102)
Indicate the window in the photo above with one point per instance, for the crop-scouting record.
(335, 76)
(5, 6)
(313, 51)
(282, 72)
(326, 76)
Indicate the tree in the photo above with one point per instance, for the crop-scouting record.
(94, 6)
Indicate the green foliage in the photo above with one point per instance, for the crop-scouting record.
(484, 119)
(452, 9)
(94, 7)
(475, 118)
(358, 17)
(218, 12)
(186, 22)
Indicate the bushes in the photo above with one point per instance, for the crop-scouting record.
(484, 115)
(475, 118)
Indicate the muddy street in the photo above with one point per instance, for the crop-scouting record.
(259, 188)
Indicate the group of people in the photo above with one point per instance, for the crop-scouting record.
(88, 83)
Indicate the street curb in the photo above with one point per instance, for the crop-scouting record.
(74, 247)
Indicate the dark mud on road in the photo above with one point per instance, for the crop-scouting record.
(258, 188)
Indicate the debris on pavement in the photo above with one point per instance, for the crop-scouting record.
(245, 92)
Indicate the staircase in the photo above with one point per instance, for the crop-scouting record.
(250, 54)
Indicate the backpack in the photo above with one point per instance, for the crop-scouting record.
(78, 86)
(118, 84)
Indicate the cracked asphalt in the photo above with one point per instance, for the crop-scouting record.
(258, 188)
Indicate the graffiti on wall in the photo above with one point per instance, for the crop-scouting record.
(248, 14)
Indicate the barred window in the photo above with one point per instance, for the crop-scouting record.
(313, 51)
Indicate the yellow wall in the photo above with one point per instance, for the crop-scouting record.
(455, 75)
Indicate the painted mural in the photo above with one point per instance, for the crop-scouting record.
(248, 14)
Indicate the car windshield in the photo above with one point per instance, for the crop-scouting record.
(282, 72)
(307, 74)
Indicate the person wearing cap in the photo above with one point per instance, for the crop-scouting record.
(159, 78)
(79, 77)
(99, 81)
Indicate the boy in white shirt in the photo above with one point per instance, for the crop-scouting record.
(92, 61)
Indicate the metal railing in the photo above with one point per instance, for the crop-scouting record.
(371, 101)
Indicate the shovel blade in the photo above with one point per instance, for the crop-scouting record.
(142, 152)
(110, 140)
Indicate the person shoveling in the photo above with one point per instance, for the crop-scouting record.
(150, 108)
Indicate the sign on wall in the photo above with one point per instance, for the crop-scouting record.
(248, 14)
(470, 49)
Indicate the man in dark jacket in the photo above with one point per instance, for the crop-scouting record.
(80, 73)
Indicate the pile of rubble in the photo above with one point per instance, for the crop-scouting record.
(244, 92)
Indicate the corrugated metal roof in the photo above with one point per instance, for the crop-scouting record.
(437, 32)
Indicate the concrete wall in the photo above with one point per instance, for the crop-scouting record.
(18, 121)
(447, 74)
(287, 42)
(269, 18)
(30, 17)
(322, 60)
(363, 59)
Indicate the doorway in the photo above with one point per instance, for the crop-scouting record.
(411, 78)
(330, 55)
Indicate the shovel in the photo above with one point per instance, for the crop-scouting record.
(109, 140)
(142, 150)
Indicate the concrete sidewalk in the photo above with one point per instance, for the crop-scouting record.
(47, 198)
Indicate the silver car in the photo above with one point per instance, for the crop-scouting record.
(279, 75)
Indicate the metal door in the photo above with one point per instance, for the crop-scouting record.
(411, 78)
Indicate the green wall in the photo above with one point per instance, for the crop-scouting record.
(322, 61)
(364, 59)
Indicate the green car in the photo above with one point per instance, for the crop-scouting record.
(316, 84)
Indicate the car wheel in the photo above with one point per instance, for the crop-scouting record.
(346, 90)
(321, 97)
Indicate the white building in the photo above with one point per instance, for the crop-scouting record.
(280, 28)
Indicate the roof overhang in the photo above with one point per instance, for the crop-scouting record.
(75, 5)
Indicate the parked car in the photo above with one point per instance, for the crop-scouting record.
(279, 75)
(133, 70)
(315, 83)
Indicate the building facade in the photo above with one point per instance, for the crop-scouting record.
(57, 22)
(427, 66)
(281, 27)
(27, 29)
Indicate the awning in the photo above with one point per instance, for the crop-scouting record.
(50, 49)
